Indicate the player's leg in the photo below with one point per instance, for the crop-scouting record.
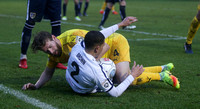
(65, 10)
(79, 7)
(122, 8)
(164, 76)
(53, 13)
(192, 31)
(33, 15)
(113, 10)
(26, 37)
(123, 13)
(103, 7)
(105, 14)
(119, 53)
(158, 69)
(122, 71)
(76, 8)
(86, 7)
(121, 57)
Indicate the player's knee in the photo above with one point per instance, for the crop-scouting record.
(55, 23)
(29, 24)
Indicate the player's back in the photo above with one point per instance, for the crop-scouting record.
(80, 72)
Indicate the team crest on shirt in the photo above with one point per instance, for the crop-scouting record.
(79, 39)
(106, 84)
(32, 15)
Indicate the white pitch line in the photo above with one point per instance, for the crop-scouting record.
(172, 37)
(153, 39)
(147, 39)
(8, 43)
(25, 98)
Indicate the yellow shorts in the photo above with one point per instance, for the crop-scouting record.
(119, 48)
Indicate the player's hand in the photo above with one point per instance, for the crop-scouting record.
(136, 70)
(29, 86)
(127, 21)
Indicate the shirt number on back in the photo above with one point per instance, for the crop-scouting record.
(116, 53)
(76, 72)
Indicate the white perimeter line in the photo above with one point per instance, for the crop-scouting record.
(147, 39)
(25, 98)
(172, 37)
(8, 43)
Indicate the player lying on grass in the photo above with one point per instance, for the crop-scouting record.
(60, 47)
(85, 75)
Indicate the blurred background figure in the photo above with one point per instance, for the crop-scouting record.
(76, 8)
(192, 31)
(110, 3)
(85, 8)
(104, 6)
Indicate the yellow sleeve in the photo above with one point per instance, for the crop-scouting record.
(51, 63)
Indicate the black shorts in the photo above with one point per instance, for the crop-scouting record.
(114, 1)
(37, 9)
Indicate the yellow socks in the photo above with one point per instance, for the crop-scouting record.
(154, 69)
(113, 8)
(192, 30)
(103, 6)
(149, 74)
(146, 77)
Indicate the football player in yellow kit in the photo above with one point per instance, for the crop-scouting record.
(117, 49)
(192, 31)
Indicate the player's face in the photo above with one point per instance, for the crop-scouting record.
(52, 48)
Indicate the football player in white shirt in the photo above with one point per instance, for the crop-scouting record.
(85, 75)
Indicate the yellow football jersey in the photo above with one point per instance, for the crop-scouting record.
(119, 48)
(68, 39)
(118, 52)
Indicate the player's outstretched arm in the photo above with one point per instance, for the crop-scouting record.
(127, 21)
(45, 77)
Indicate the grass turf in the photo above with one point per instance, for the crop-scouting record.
(156, 20)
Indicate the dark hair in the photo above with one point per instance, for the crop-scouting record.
(93, 38)
(40, 40)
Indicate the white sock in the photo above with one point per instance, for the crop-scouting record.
(163, 67)
(23, 56)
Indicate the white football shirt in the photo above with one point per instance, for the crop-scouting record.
(85, 75)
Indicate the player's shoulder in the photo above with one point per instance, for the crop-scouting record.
(79, 32)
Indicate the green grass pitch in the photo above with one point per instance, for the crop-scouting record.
(158, 39)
